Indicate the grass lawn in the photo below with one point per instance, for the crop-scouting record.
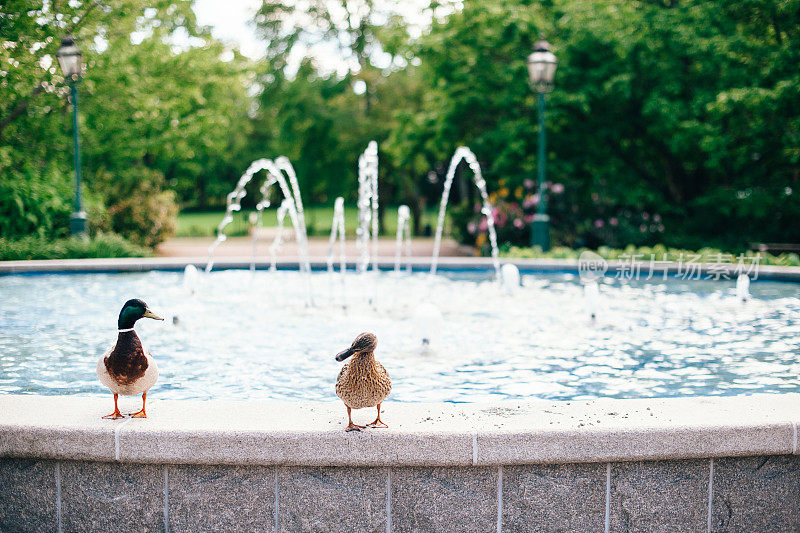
(318, 221)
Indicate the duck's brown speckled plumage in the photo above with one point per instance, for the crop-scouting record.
(363, 382)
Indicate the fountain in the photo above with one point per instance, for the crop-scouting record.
(274, 248)
(285, 165)
(337, 231)
(234, 203)
(509, 275)
(403, 240)
(294, 207)
(368, 208)
(591, 296)
(275, 174)
(481, 335)
(190, 279)
(743, 287)
(466, 154)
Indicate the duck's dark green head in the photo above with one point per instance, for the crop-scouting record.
(132, 311)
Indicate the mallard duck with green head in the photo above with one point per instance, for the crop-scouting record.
(362, 382)
(127, 368)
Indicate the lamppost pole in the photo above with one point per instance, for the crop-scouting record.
(541, 68)
(540, 231)
(77, 222)
(69, 57)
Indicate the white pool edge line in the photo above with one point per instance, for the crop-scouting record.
(497, 434)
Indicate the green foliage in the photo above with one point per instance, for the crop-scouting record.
(139, 208)
(38, 200)
(658, 252)
(34, 201)
(671, 121)
(175, 116)
(686, 110)
(102, 245)
(182, 113)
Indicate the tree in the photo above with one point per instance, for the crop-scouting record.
(672, 122)
(156, 107)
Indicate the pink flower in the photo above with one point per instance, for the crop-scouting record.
(471, 228)
(528, 183)
(613, 221)
(483, 226)
(499, 217)
(528, 218)
(656, 218)
(643, 228)
(557, 188)
(530, 201)
(518, 223)
(598, 223)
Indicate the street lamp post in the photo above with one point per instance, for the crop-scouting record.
(69, 57)
(542, 68)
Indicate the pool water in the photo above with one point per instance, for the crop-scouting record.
(245, 335)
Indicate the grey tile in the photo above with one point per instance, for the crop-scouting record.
(568, 498)
(444, 499)
(111, 497)
(757, 494)
(659, 496)
(332, 499)
(221, 498)
(27, 495)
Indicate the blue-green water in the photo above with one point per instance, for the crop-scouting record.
(250, 336)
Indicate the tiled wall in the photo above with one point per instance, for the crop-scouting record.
(732, 494)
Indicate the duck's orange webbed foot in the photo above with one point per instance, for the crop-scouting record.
(377, 423)
(140, 414)
(116, 414)
(351, 426)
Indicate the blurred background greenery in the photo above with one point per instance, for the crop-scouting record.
(672, 121)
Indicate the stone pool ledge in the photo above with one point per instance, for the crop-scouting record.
(435, 434)
(420, 264)
(688, 464)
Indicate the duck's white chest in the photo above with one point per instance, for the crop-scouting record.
(139, 386)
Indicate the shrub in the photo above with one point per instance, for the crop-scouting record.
(139, 208)
(102, 245)
(38, 201)
(513, 211)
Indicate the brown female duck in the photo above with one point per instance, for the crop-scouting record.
(363, 382)
(127, 368)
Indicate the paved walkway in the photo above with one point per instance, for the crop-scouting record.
(317, 247)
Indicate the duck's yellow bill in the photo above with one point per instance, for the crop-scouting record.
(149, 314)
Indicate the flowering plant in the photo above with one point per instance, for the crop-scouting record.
(512, 210)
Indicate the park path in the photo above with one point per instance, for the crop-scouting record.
(317, 247)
